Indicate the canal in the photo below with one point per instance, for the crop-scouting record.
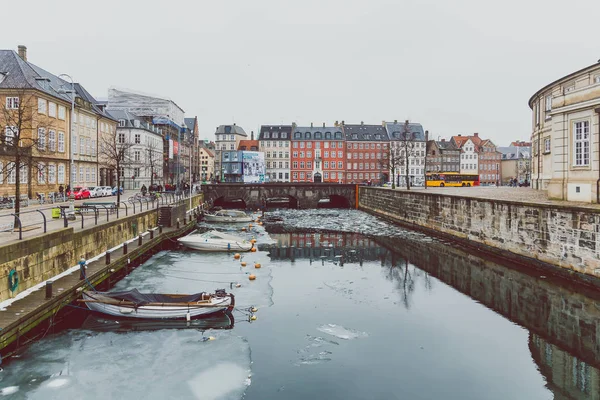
(349, 307)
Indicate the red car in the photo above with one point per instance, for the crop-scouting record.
(80, 193)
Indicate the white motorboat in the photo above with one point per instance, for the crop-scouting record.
(133, 304)
(215, 241)
(227, 216)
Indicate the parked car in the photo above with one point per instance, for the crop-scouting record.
(81, 193)
(96, 191)
(114, 191)
(106, 191)
(387, 184)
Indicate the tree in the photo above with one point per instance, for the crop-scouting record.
(407, 145)
(115, 155)
(153, 156)
(23, 140)
(391, 160)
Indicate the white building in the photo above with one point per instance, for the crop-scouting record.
(227, 138)
(274, 141)
(415, 144)
(469, 158)
(143, 164)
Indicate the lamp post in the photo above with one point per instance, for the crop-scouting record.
(72, 91)
(179, 132)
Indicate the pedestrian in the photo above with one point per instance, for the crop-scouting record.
(82, 267)
(144, 190)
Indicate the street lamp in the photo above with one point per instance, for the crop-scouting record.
(72, 91)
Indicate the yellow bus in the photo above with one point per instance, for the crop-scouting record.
(451, 179)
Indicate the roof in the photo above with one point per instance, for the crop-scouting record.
(190, 123)
(514, 152)
(129, 118)
(234, 129)
(275, 128)
(396, 130)
(19, 74)
(487, 142)
(318, 133)
(563, 79)
(248, 143)
(460, 140)
(446, 145)
(365, 132)
(208, 151)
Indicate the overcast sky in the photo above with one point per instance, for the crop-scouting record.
(459, 66)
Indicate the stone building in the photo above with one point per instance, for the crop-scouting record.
(318, 154)
(366, 153)
(227, 138)
(442, 156)
(274, 141)
(515, 164)
(565, 136)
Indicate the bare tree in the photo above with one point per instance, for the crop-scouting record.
(115, 155)
(407, 145)
(23, 140)
(154, 159)
(391, 160)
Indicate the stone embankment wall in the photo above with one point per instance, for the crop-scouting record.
(561, 236)
(42, 257)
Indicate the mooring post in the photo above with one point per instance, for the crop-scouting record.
(107, 257)
(140, 240)
(49, 289)
(125, 248)
(177, 223)
(151, 233)
(160, 229)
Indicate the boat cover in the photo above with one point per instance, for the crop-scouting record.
(140, 299)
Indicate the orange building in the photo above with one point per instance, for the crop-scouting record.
(318, 154)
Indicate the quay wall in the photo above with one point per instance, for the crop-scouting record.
(564, 238)
(40, 258)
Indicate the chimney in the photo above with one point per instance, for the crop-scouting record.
(443, 140)
(459, 134)
(251, 135)
(323, 124)
(23, 52)
(476, 134)
(311, 124)
(234, 124)
(362, 122)
(395, 121)
(337, 123)
(343, 122)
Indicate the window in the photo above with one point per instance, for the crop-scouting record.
(93, 147)
(12, 173)
(52, 109)
(81, 145)
(52, 173)
(81, 174)
(326, 174)
(42, 106)
(88, 147)
(340, 165)
(301, 175)
(309, 164)
(41, 139)
(547, 145)
(333, 175)
(597, 79)
(326, 155)
(301, 164)
(326, 164)
(52, 140)
(136, 156)
(9, 134)
(295, 164)
(41, 168)
(121, 138)
(582, 144)
(74, 144)
(62, 111)
(94, 175)
(87, 174)
(12, 103)
(23, 177)
(138, 138)
(309, 154)
(122, 123)
(74, 175)
(301, 154)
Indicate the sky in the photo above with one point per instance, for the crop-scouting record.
(456, 67)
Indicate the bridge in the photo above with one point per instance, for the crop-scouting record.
(293, 195)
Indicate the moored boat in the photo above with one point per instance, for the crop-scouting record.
(227, 216)
(215, 241)
(133, 304)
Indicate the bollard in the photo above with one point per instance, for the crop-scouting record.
(177, 223)
(107, 257)
(49, 289)
(140, 240)
(151, 233)
(160, 229)
(125, 248)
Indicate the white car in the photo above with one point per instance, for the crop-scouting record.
(107, 191)
(96, 191)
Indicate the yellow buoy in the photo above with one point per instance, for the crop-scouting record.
(260, 223)
(252, 277)
(253, 249)
(249, 225)
(238, 285)
(244, 229)
(243, 263)
(236, 256)
(257, 265)
(254, 309)
(253, 241)
(253, 318)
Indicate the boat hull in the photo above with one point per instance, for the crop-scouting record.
(166, 311)
(219, 218)
(214, 246)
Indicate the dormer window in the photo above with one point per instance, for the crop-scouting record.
(275, 135)
(354, 136)
(327, 135)
(2, 76)
(338, 135)
(318, 135)
(297, 135)
(306, 135)
(267, 135)
(284, 135)
(121, 122)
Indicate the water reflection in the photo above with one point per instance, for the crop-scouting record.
(559, 316)
(99, 323)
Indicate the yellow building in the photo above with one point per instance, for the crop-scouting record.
(207, 164)
(565, 121)
(34, 127)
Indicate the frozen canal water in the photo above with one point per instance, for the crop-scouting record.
(360, 310)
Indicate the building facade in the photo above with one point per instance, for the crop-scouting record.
(408, 138)
(227, 138)
(207, 164)
(515, 164)
(274, 141)
(442, 156)
(565, 136)
(469, 153)
(490, 172)
(318, 154)
(366, 153)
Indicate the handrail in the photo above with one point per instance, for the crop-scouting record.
(126, 208)
(20, 226)
(141, 205)
(133, 204)
(80, 213)
(106, 208)
(44, 219)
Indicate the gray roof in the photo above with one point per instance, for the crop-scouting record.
(129, 118)
(365, 132)
(446, 145)
(514, 152)
(190, 123)
(396, 130)
(318, 133)
(235, 129)
(19, 74)
(275, 128)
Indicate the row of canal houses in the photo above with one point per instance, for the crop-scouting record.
(353, 153)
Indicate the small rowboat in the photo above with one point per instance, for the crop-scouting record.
(133, 304)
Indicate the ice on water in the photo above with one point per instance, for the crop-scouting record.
(317, 351)
(150, 365)
(340, 332)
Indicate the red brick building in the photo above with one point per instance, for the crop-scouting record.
(366, 153)
(318, 154)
